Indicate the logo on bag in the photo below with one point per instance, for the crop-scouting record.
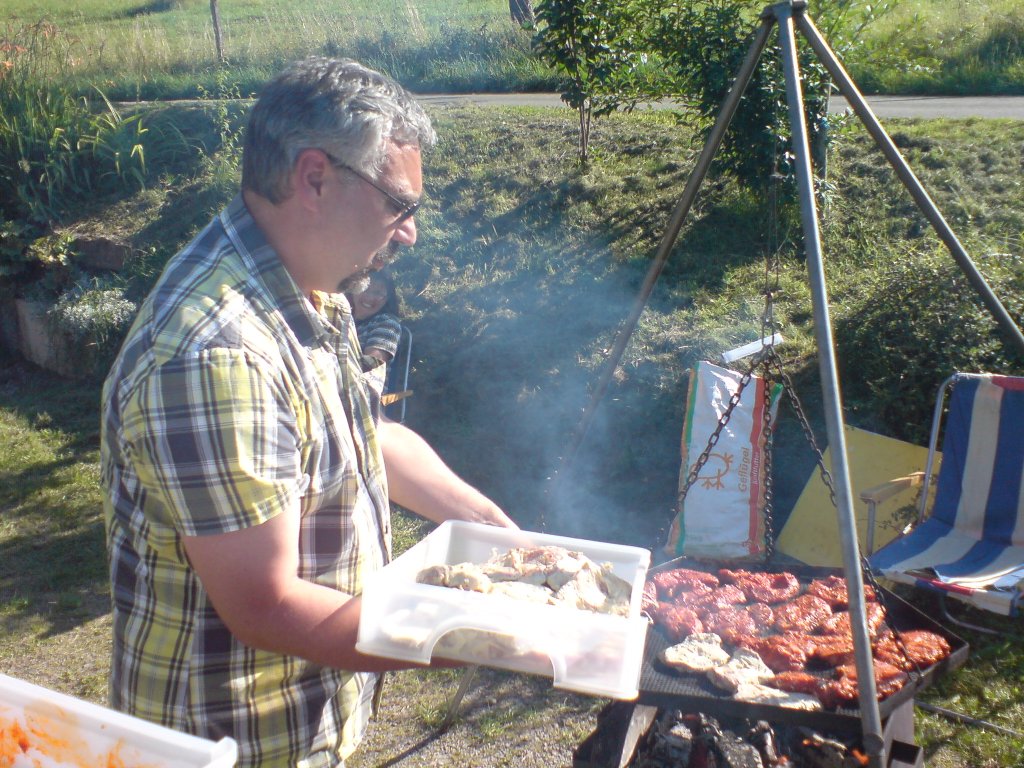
(713, 482)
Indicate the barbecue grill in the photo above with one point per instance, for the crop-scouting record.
(660, 686)
(622, 725)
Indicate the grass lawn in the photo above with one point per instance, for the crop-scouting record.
(526, 263)
(165, 48)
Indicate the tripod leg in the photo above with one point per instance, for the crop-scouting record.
(874, 743)
(682, 209)
(909, 179)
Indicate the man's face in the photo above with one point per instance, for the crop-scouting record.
(375, 221)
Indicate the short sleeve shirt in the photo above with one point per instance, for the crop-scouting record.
(234, 399)
(380, 331)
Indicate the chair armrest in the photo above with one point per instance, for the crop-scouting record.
(875, 496)
(887, 490)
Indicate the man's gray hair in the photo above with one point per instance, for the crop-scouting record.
(347, 110)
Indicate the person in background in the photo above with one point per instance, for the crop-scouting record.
(376, 312)
(247, 478)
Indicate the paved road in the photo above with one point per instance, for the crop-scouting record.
(882, 106)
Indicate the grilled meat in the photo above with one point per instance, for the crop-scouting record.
(803, 614)
(843, 689)
(763, 587)
(718, 597)
(924, 648)
(697, 653)
(670, 583)
(786, 652)
(832, 589)
(839, 623)
(677, 621)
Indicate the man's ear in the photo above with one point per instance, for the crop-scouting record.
(308, 175)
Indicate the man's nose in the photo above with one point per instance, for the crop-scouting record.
(405, 233)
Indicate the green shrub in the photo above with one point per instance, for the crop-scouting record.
(58, 149)
(915, 322)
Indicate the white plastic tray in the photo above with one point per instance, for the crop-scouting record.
(40, 727)
(582, 651)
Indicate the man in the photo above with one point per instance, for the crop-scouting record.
(247, 498)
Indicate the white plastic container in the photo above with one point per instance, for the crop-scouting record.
(40, 727)
(580, 650)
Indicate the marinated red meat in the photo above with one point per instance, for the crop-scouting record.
(832, 589)
(677, 621)
(843, 689)
(670, 583)
(839, 623)
(804, 614)
(719, 597)
(763, 587)
(728, 622)
(762, 614)
(924, 648)
(833, 650)
(782, 653)
(796, 682)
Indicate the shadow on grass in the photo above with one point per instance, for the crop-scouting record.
(52, 554)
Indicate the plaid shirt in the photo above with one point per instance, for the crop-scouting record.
(235, 399)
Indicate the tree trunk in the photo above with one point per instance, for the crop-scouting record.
(521, 12)
(217, 37)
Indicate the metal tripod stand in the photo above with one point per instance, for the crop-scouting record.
(789, 16)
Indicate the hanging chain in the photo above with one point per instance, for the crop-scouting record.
(766, 463)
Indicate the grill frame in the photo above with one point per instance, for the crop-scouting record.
(662, 687)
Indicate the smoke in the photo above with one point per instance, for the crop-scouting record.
(504, 370)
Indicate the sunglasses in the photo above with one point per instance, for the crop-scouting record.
(403, 208)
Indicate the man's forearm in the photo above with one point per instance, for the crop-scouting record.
(419, 480)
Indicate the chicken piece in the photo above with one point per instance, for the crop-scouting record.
(697, 653)
(670, 583)
(803, 614)
(763, 587)
(758, 693)
(521, 590)
(832, 589)
(677, 622)
(783, 653)
(550, 565)
(465, 576)
(743, 666)
(595, 588)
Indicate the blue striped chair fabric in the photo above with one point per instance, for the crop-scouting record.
(971, 547)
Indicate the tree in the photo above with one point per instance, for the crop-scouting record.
(521, 12)
(595, 44)
(217, 37)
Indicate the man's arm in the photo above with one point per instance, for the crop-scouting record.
(251, 578)
(421, 482)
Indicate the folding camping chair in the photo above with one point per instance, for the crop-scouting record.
(397, 383)
(971, 546)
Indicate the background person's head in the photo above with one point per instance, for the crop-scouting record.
(380, 295)
(339, 106)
